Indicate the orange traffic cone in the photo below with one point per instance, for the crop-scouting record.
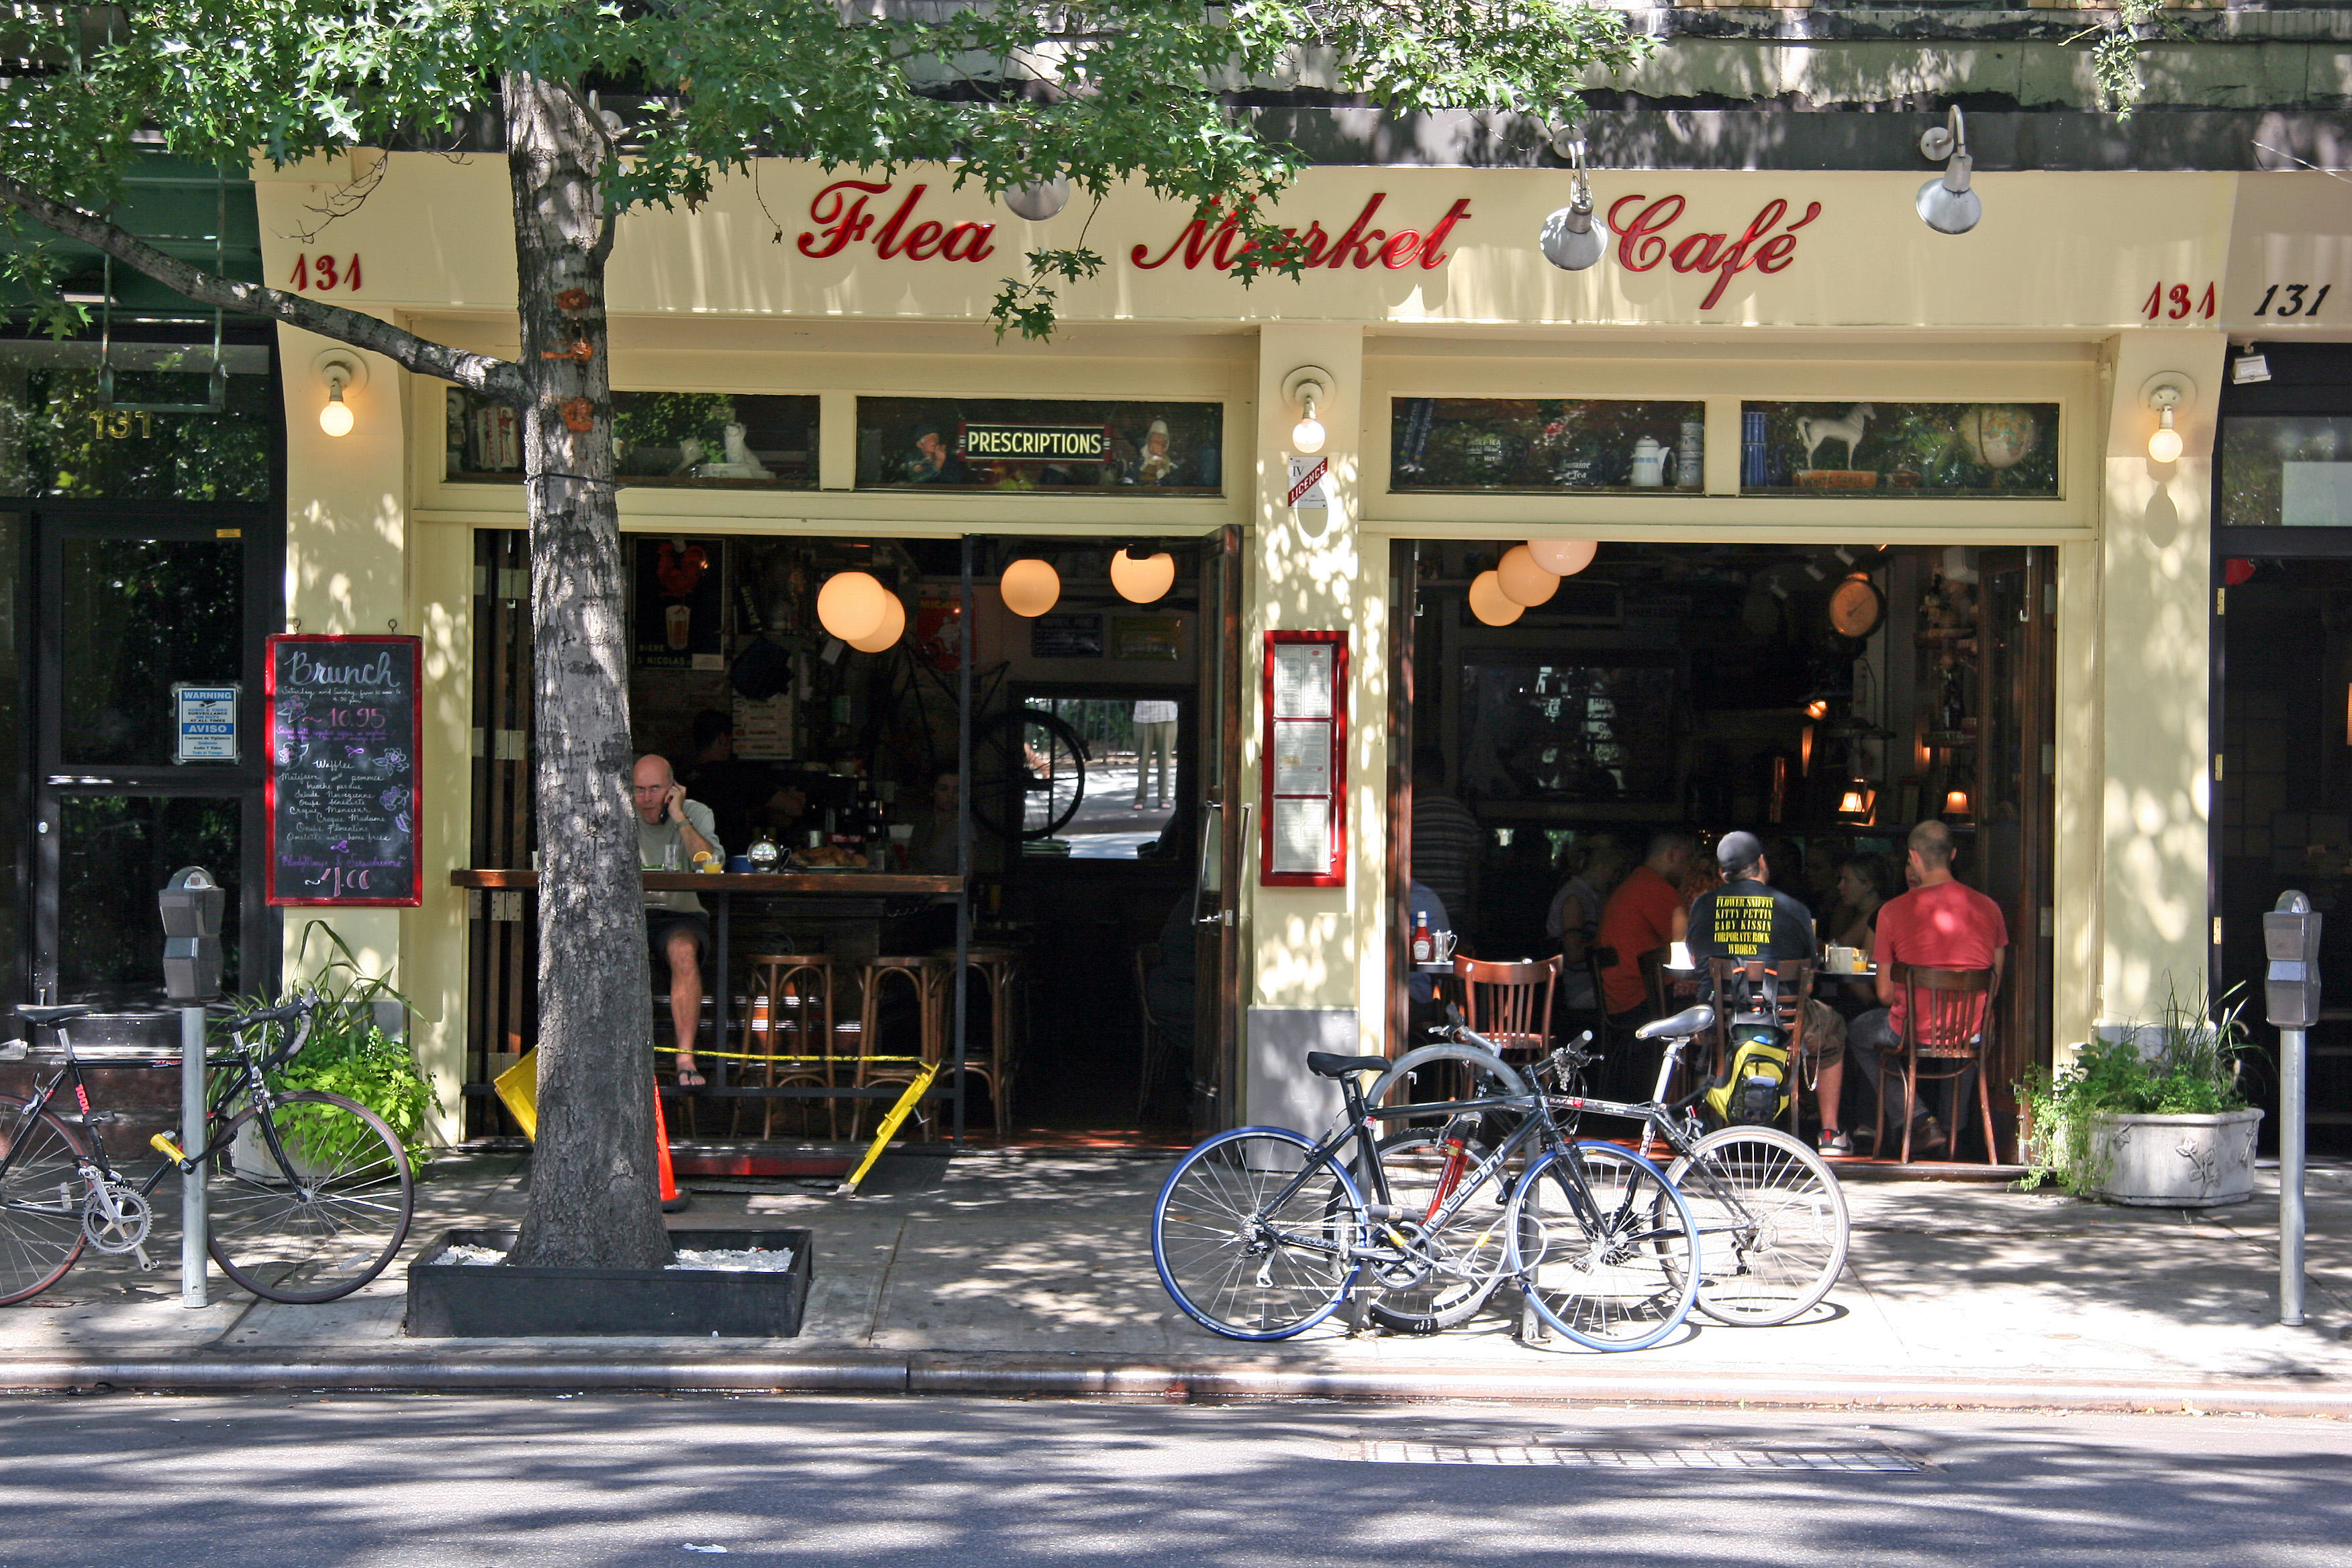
(672, 1200)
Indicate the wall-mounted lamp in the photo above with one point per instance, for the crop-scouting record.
(1304, 390)
(1946, 204)
(1490, 604)
(2165, 393)
(1956, 802)
(338, 371)
(1142, 577)
(1030, 586)
(1563, 557)
(1857, 801)
(1040, 199)
(1573, 238)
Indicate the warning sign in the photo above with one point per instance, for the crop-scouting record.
(1306, 483)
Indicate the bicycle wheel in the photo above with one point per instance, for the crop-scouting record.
(40, 1201)
(1772, 1221)
(1604, 1246)
(323, 1221)
(1241, 1259)
(1453, 1268)
(1029, 773)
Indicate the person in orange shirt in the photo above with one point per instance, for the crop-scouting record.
(1640, 918)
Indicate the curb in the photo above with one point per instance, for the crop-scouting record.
(988, 1376)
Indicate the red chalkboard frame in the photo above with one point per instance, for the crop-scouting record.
(1335, 869)
(416, 648)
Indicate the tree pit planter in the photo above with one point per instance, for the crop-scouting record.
(2175, 1161)
(448, 1300)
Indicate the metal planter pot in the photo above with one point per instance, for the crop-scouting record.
(2175, 1162)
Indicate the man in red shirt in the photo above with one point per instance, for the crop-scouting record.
(1940, 924)
(1639, 920)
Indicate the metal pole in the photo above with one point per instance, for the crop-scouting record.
(192, 1216)
(2292, 1060)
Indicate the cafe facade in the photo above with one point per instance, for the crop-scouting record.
(1772, 386)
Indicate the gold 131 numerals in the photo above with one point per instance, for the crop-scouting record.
(115, 424)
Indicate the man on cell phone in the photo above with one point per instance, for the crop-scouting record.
(672, 832)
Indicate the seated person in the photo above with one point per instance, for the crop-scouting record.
(1749, 918)
(671, 831)
(1940, 924)
(1639, 920)
(1863, 883)
(1592, 867)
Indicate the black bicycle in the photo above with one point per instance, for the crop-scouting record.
(309, 1195)
(1262, 1232)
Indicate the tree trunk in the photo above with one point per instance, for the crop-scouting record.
(595, 1202)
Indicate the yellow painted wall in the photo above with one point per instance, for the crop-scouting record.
(2043, 302)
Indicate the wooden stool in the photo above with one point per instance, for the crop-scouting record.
(999, 971)
(926, 979)
(788, 1023)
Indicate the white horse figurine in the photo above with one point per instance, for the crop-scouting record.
(1814, 432)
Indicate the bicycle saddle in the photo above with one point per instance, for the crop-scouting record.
(1689, 1021)
(1326, 1065)
(44, 1016)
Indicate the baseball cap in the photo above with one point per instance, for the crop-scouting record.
(1737, 848)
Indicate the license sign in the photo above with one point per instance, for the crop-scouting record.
(204, 720)
(1306, 483)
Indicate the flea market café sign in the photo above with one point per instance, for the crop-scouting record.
(1650, 233)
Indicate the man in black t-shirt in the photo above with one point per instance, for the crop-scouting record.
(1748, 917)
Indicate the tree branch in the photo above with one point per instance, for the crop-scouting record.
(496, 378)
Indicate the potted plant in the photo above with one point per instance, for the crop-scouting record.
(2148, 1114)
(350, 1053)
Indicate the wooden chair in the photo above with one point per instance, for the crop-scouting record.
(999, 971)
(1510, 1003)
(789, 1026)
(923, 980)
(1946, 1019)
(1773, 991)
(1157, 1046)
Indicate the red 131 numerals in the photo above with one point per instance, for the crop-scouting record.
(325, 272)
(2177, 302)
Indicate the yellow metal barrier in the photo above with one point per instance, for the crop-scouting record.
(890, 1124)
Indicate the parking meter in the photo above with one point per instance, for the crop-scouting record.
(192, 906)
(2291, 938)
(2291, 1001)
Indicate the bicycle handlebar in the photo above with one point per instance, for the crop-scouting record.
(284, 1013)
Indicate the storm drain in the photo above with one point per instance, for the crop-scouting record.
(1865, 1460)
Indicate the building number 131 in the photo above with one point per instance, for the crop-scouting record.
(2177, 303)
(2293, 304)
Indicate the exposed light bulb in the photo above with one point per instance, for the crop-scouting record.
(2164, 442)
(1308, 434)
(335, 418)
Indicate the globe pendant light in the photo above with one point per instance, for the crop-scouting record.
(892, 626)
(1523, 579)
(1030, 586)
(1490, 604)
(851, 606)
(1040, 199)
(1563, 557)
(1142, 581)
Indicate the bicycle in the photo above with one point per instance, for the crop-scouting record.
(1772, 1216)
(312, 1194)
(1261, 1233)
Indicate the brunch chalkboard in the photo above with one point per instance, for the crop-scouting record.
(344, 730)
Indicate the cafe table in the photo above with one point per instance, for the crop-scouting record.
(851, 899)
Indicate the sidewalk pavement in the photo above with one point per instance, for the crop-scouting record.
(1029, 1272)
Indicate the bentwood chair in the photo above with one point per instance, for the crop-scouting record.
(789, 1029)
(1510, 1003)
(923, 983)
(1763, 991)
(1947, 1020)
(999, 971)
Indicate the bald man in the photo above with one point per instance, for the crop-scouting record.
(671, 831)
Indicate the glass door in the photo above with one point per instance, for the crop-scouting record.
(149, 634)
(2017, 615)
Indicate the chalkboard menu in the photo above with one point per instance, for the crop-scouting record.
(344, 730)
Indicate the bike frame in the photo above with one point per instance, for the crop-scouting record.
(246, 1079)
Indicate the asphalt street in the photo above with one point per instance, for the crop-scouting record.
(327, 1482)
